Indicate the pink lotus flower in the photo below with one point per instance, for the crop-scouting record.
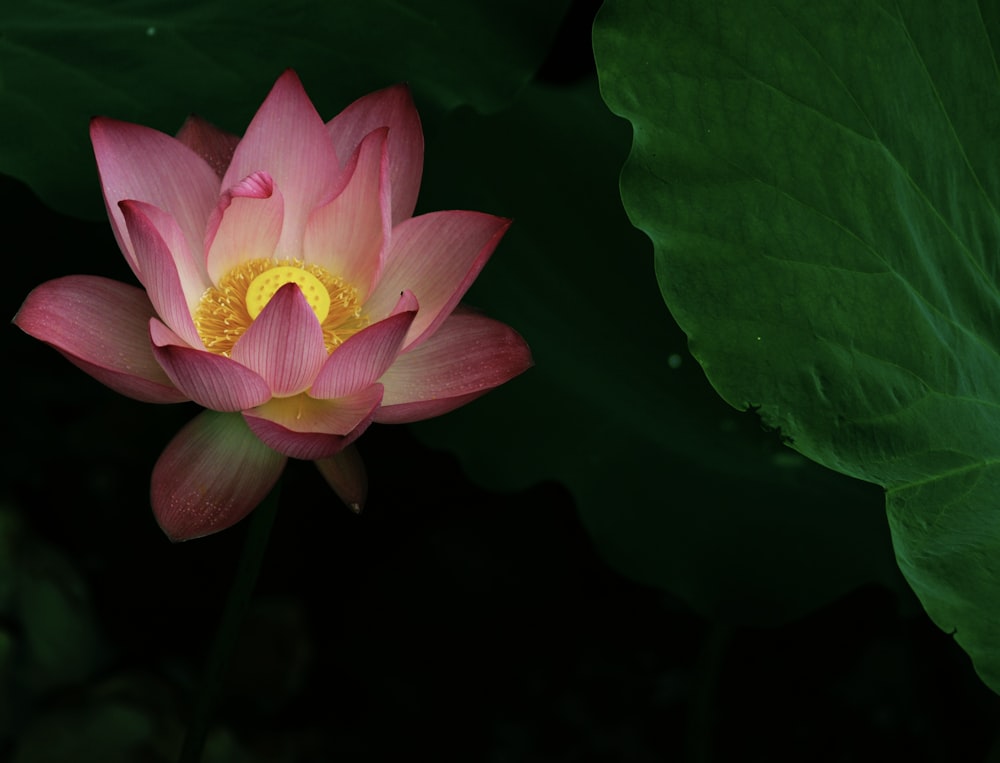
(287, 288)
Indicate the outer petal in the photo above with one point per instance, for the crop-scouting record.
(211, 475)
(348, 235)
(213, 145)
(245, 225)
(140, 163)
(437, 256)
(288, 139)
(364, 357)
(284, 344)
(345, 473)
(173, 282)
(466, 357)
(100, 325)
(213, 381)
(393, 108)
(303, 427)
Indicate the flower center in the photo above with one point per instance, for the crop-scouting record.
(227, 309)
(264, 286)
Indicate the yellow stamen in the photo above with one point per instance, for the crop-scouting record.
(227, 309)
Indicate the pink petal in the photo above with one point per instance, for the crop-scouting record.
(288, 139)
(406, 413)
(466, 357)
(303, 427)
(345, 473)
(139, 163)
(173, 282)
(437, 256)
(393, 108)
(347, 236)
(285, 343)
(211, 475)
(211, 380)
(245, 225)
(213, 145)
(100, 325)
(364, 357)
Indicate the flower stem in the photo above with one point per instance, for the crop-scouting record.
(237, 604)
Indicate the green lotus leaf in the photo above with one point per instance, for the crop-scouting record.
(821, 185)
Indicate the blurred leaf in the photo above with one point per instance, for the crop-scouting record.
(821, 183)
(59, 628)
(676, 489)
(124, 719)
(46, 599)
(154, 61)
(101, 733)
(8, 651)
